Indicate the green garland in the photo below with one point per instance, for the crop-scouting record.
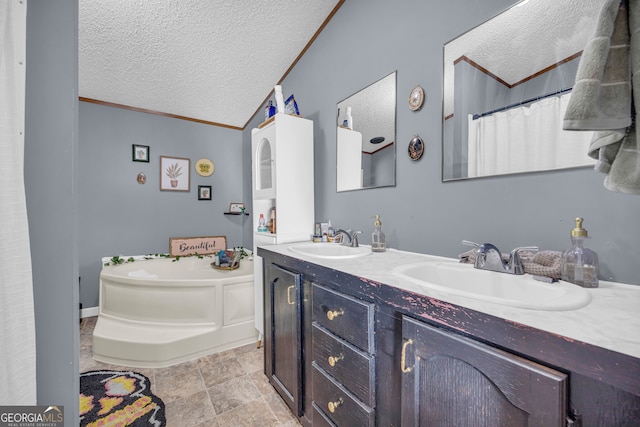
(117, 260)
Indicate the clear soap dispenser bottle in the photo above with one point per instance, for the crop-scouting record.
(378, 239)
(580, 264)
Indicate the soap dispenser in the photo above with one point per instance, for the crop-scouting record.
(378, 239)
(580, 264)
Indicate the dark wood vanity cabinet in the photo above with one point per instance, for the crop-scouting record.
(343, 374)
(343, 351)
(283, 335)
(448, 379)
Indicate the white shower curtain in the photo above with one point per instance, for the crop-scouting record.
(17, 325)
(529, 138)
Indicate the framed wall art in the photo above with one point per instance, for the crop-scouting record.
(236, 208)
(174, 174)
(204, 192)
(140, 153)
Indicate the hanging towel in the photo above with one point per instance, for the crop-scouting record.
(603, 98)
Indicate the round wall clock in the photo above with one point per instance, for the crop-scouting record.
(416, 148)
(416, 98)
(204, 167)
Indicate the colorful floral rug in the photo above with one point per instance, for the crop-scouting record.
(119, 399)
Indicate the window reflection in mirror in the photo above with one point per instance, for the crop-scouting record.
(506, 85)
(365, 137)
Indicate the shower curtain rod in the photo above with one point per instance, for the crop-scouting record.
(518, 104)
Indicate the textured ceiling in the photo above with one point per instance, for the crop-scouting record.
(213, 61)
(524, 40)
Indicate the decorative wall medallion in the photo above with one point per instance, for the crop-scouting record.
(142, 178)
(204, 167)
(416, 148)
(416, 98)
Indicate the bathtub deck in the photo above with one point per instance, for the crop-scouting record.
(140, 345)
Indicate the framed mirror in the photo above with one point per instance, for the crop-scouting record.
(506, 86)
(365, 137)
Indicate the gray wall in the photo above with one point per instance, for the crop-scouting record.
(365, 41)
(118, 216)
(51, 146)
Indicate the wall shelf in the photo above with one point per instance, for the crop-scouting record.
(236, 213)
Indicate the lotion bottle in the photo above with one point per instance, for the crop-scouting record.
(378, 239)
(580, 264)
(279, 99)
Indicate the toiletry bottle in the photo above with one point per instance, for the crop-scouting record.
(378, 239)
(262, 225)
(349, 119)
(272, 221)
(269, 110)
(580, 264)
(279, 99)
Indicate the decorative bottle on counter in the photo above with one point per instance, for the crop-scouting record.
(378, 239)
(580, 264)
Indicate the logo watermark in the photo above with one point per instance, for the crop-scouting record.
(32, 416)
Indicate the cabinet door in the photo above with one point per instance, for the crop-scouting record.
(283, 335)
(263, 163)
(450, 380)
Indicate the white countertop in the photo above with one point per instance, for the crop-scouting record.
(611, 320)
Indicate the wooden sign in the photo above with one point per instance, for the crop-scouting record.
(184, 246)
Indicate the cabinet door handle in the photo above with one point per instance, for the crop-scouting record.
(403, 357)
(334, 405)
(291, 302)
(335, 359)
(332, 314)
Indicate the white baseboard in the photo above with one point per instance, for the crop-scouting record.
(89, 312)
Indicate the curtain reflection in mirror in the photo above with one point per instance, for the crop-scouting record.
(526, 138)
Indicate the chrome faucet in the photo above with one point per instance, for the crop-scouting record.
(488, 257)
(352, 237)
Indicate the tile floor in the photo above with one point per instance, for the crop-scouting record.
(220, 390)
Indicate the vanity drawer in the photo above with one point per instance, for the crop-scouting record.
(319, 418)
(337, 403)
(347, 317)
(351, 366)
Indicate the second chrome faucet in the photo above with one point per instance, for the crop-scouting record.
(488, 257)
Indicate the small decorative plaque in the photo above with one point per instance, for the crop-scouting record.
(184, 246)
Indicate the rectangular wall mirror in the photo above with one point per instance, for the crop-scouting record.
(507, 83)
(365, 137)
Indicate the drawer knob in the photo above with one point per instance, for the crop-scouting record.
(335, 359)
(334, 405)
(332, 314)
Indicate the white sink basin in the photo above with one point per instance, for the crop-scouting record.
(330, 250)
(501, 288)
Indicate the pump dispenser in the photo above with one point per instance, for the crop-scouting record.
(580, 264)
(378, 239)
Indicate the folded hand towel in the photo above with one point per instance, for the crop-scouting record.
(602, 98)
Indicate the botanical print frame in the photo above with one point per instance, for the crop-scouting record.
(140, 153)
(174, 174)
(204, 192)
(236, 207)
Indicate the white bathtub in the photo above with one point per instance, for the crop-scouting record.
(156, 313)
